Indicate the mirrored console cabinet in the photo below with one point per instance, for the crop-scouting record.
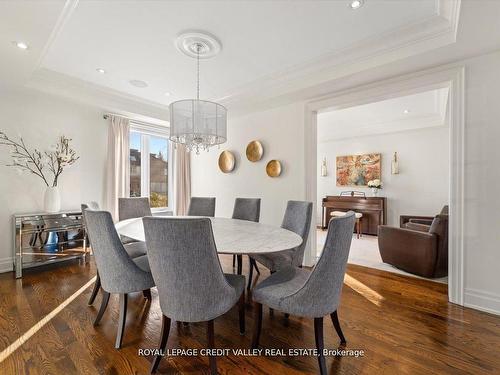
(43, 238)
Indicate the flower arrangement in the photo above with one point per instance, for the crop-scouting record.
(375, 184)
(60, 156)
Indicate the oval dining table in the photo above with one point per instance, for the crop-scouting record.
(231, 236)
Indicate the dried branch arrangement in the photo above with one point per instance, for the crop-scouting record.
(36, 162)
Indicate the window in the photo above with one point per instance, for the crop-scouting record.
(149, 169)
(158, 171)
(135, 164)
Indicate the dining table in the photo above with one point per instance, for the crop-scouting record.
(232, 236)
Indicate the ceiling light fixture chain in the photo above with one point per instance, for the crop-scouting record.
(198, 48)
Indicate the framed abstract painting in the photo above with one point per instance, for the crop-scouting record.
(357, 170)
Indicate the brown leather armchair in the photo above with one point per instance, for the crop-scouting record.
(420, 246)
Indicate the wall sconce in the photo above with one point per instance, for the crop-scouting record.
(324, 169)
(395, 164)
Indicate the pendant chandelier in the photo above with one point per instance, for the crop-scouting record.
(197, 124)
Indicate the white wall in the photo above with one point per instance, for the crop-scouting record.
(40, 119)
(482, 183)
(422, 186)
(281, 132)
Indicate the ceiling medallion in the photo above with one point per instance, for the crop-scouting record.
(198, 124)
(190, 42)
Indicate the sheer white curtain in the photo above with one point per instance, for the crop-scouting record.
(182, 179)
(118, 166)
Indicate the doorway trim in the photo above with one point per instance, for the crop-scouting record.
(452, 77)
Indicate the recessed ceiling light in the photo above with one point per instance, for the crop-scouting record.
(138, 83)
(356, 4)
(406, 111)
(100, 70)
(20, 45)
(167, 94)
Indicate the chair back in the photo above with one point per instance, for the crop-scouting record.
(297, 219)
(89, 205)
(247, 209)
(201, 206)
(324, 286)
(118, 273)
(92, 205)
(130, 208)
(186, 269)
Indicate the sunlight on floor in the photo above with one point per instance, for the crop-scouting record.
(39, 325)
(364, 290)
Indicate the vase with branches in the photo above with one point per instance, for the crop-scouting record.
(47, 165)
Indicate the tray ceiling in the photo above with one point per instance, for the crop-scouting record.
(268, 47)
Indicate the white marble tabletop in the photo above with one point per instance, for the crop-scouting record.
(231, 236)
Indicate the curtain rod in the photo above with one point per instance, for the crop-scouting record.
(108, 115)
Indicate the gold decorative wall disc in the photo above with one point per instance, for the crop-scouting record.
(255, 151)
(226, 161)
(273, 168)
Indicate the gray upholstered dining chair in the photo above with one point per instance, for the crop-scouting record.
(118, 272)
(297, 219)
(201, 206)
(189, 278)
(312, 294)
(133, 249)
(129, 208)
(246, 209)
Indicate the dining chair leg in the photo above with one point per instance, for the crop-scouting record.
(211, 345)
(97, 286)
(121, 320)
(104, 305)
(287, 315)
(147, 294)
(318, 335)
(250, 273)
(234, 260)
(241, 313)
(257, 324)
(239, 258)
(271, 311)
(336, 324)
(165, 330)
(254, 263)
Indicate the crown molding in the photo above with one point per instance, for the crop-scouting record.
(436, 31)
(412, 39)
(67, 11)
(54, 83)
(417, 122)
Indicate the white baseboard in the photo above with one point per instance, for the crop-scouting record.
(6, 264)
(484, 301)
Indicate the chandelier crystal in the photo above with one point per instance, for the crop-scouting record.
(198, 124)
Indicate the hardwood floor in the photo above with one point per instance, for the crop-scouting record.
(404, 325)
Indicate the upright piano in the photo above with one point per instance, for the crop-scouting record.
(373, 209)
